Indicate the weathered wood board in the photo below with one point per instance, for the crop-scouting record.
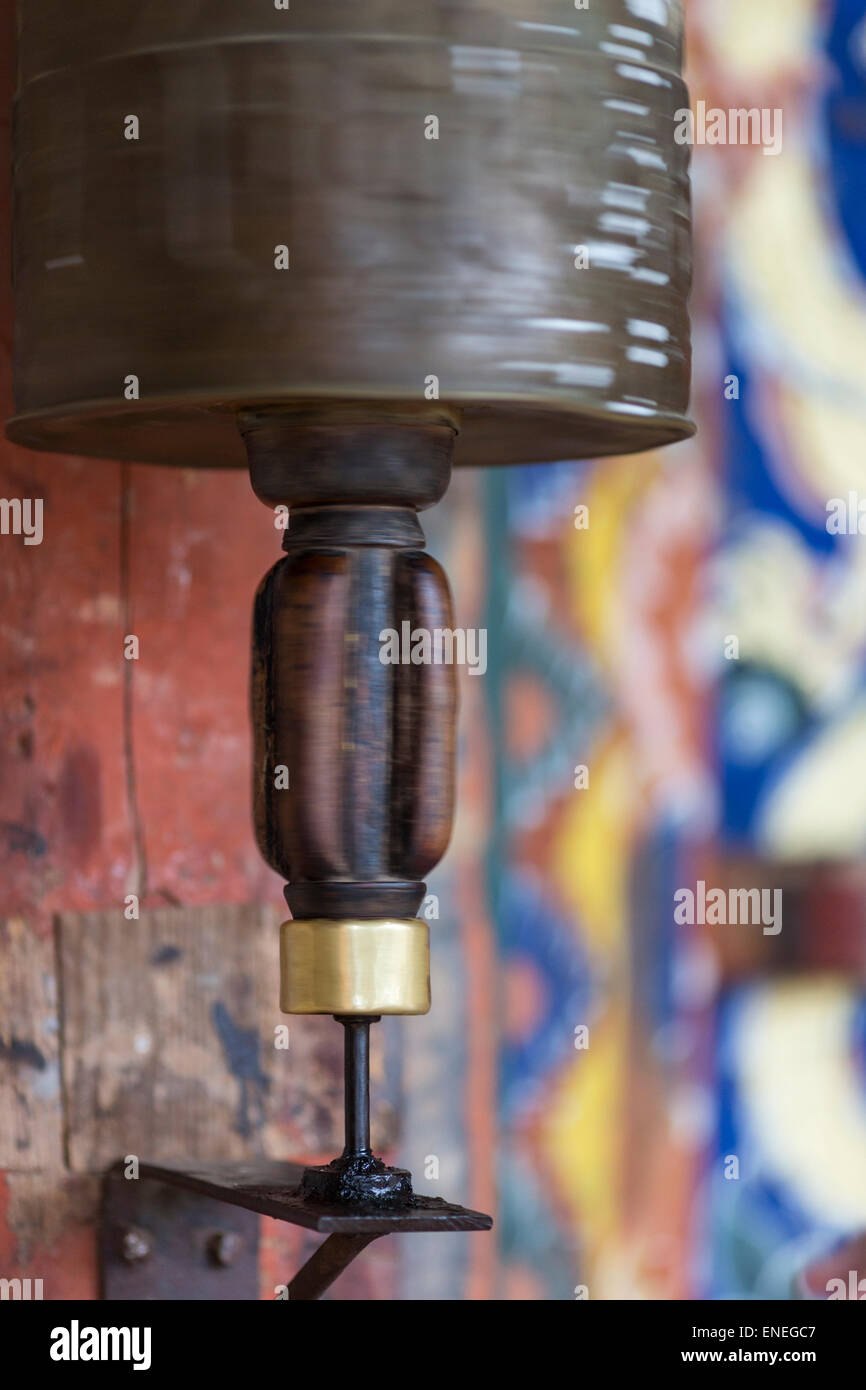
(173, 1043)
(30, 1099)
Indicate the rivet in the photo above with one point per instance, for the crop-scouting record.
(224, 1247)
(135, 1245)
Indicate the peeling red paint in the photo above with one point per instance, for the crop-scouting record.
(63, 1253)
(80, 804)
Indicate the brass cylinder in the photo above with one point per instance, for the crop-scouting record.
(367, 967)
(226, 205)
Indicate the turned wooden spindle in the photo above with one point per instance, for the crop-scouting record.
(354, 758)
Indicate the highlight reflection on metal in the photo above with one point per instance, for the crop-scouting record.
(534, 258)
(376, 966)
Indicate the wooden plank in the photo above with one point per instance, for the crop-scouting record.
(30, 1108)
(169, 1042)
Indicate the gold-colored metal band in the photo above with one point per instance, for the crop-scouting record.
(355, 967)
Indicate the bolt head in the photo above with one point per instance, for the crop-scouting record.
(224, 1247)
(135, 1245)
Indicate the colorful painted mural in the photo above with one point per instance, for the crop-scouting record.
(790, 1073)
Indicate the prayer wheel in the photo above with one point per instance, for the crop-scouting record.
(346, 245)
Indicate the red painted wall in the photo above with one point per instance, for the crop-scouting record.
(123, 776)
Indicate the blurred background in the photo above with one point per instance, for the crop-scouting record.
(651, 1110)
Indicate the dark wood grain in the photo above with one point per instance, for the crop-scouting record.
(369, 747)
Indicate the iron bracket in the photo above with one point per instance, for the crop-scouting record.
(186, 1233)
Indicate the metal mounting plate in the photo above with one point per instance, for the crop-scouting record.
(192, 1233)
(273, 1189)
(161, 1242)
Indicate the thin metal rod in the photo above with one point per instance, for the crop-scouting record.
(357, 1083)
(325, 1265)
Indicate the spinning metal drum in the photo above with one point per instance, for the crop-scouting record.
(342, 243)
(476, 198)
